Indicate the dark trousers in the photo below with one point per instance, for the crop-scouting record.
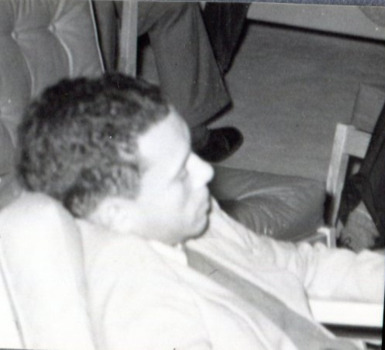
(369, 183)
(188, 73)
(225, 23)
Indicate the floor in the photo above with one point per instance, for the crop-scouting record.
(289, 88)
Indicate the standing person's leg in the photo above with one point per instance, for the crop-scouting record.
(187, 69)
(107, 28)
(225, 22)
(188, 72)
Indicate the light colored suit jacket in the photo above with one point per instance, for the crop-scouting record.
(144, 295)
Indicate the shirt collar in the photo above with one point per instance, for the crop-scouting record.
(175, 253)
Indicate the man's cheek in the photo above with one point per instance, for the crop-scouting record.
(178, 194)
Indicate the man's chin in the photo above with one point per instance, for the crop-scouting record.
(199, 226)
(200, 229)
(205, 221)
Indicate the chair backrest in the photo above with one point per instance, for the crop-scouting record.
(43, 41)
(348, 142)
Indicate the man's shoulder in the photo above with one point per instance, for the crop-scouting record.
(123, 254)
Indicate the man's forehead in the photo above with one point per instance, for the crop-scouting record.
(166, 139)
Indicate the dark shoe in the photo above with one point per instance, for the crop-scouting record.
(220, 144)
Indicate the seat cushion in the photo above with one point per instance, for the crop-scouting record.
(283, 207)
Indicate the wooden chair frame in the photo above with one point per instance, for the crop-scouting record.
(348, 141)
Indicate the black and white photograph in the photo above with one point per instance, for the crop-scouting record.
(192, 175)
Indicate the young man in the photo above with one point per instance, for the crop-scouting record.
(165, 267)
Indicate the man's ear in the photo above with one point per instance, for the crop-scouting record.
(115, 213)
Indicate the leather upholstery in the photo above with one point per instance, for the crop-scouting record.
(41, 42)
(8, 184)
(279, 206)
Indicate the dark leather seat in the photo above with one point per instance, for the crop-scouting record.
(279, 206)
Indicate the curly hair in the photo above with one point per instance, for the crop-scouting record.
(78, 141)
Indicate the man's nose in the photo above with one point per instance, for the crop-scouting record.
(206, 171)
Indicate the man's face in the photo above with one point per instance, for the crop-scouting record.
(173, 196)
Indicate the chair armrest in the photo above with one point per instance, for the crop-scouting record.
(347, 313)
(9, 332)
